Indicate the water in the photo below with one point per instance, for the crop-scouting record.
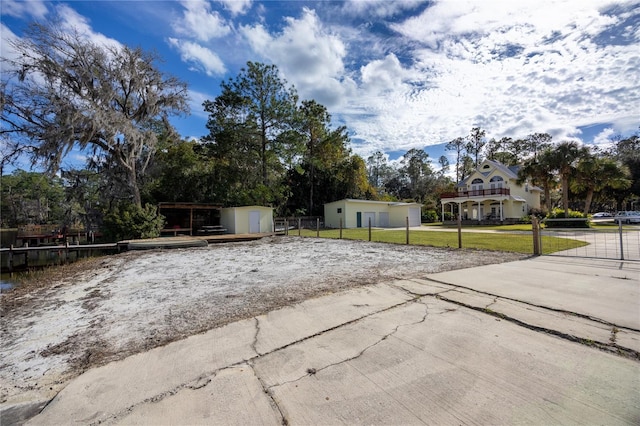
(5, 285)
(40, 260)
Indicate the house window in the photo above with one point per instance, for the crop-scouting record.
(496, 182)
(476, 184)
(339, 210)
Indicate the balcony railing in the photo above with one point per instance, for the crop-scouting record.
(477, 193)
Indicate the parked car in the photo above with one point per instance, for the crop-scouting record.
(627, 217)
(601, 215)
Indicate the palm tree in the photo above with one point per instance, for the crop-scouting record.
(564, 158)
(540, 170)
(594, 174)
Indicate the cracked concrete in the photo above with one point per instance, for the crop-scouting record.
(447, 348)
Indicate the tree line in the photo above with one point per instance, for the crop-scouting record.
(264, 145)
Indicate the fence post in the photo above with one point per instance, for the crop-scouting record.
(318, 227)
(340, 228)
(535, 229)
(621, 244)
(11, 260)
(407, 226)
(26, 256)
(299, 227)
(459, 230)
(369, 229)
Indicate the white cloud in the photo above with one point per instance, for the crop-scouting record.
(307, 54)
(513, 68)
(73, 21)
(200, 22)
(7, 37)
(33, 9)
(379, 8)
(196, 99)
(604, 138)
(202, 58)
(237, 7)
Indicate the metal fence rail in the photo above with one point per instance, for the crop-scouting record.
(620, 242)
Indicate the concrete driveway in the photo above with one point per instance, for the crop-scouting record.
(540, 341)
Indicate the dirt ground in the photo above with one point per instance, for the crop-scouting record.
(59, 324)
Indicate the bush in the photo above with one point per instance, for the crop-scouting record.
(128, 221)
(525, 219)
(429, 216)
(581, 221)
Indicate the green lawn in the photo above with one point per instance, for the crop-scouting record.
(519, 243)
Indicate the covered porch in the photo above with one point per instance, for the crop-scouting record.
(485, 210)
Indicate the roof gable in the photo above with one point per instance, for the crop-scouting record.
(488, 167)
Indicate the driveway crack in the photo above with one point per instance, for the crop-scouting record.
(549, 308)
(314, 371)
(610, 347)
(272, 399)
(254, 344)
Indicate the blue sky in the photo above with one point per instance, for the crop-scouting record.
(399, 74)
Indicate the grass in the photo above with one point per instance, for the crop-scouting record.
(505, 228)
(518, 243)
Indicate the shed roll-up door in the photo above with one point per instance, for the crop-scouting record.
(414, 216)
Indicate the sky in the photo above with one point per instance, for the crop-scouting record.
(398, 74)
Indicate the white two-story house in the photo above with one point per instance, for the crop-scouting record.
(491, 194)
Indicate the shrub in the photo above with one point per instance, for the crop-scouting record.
(525, 219)
(581, 221)
(429, 216)
(128, 221)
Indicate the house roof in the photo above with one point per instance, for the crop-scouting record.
(510, 172)
(386, 203)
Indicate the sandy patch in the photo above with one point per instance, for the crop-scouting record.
(109, 308)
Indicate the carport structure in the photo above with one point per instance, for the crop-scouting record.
(188, 217)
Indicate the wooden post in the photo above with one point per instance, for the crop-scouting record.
(535, 228)
(11, 260)
(66, 252)
(459, 230)
(340, 228)
(26, 256)
(369, 228)
(299, 227)
(318, 227)
(407, 223)
(286, 227)
(191, 221)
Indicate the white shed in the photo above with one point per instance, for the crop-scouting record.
(247, 219)
(383, 214)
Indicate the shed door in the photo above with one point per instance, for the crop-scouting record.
(254, 222)
(359, 219)
(383, 218)
(414, 216)
(369, 215)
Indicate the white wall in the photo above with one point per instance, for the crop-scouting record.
(331, 215)
(236, 219)
(397, 214)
